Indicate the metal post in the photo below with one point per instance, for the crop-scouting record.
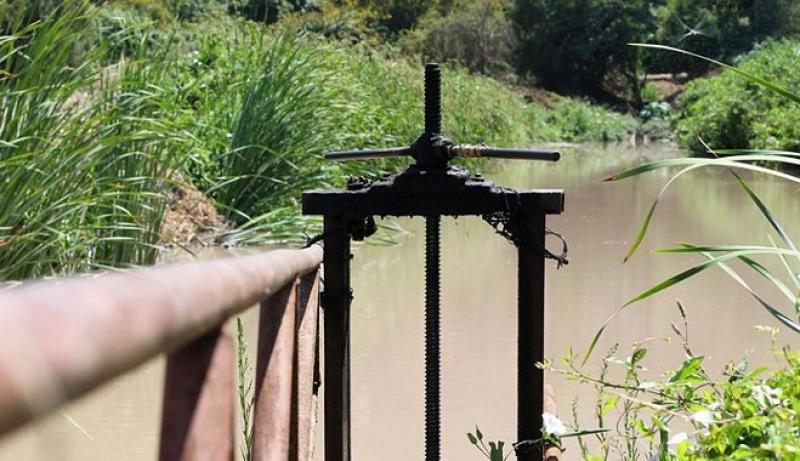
(530, 328)
(197, 412)
(433, 423)
(273, 380)
(336, 299)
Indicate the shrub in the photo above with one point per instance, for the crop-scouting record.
(729, 112)
(686, 415)
(475, 34)
(270, 11)
(389, 17)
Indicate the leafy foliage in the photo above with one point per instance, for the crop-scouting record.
(716, 28)
(389, 17)
(749, 414)
(730, 112)
(476, 34)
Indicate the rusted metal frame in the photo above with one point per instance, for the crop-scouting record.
(274, 376)
(61, 339)
(197, 421)
(530, 328)
(306, 374)
(336, 300)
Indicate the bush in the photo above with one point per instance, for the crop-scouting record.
(729, 112)
(476, 34)
(389, 17)
(686, 415)
(270, 11)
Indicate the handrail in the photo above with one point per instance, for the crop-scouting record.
(60, 339)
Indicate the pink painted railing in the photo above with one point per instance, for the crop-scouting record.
(61, 339)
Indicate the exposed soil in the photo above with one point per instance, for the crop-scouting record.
(191, 219)
(669, 85)
(536, 95)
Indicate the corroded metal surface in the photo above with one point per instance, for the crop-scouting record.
(307, 371)
(273, 380)
(60, 339)
(199, 389)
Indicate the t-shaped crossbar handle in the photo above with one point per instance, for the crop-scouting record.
(432, 149)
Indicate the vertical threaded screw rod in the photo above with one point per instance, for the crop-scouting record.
(432, 341)
(433, 98)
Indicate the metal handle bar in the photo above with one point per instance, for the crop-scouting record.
(365, 154)
(467, 151)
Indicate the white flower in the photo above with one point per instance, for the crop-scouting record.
(678, 438)
(704, 417)
(553, 425)
(767, 395)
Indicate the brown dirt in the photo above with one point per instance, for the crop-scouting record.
(191, 219)
(537, 95)
(669, 86)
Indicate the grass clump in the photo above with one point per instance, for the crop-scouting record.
(83, 157)
(727, 111)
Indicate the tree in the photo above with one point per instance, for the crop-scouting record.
(389, 17)
(476, 34)
(722, 29)
(580, 46)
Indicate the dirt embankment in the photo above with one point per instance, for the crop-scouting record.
(191, 219)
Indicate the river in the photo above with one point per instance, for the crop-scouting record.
(479, 312)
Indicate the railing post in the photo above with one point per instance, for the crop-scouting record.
(336, 308)
(530, 328)
(197, 419)
(306, 369)
(273, 380)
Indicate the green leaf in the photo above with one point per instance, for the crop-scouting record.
(688, 369)
(646, 224)
(794, 326)
(472, 439)
(478, 433)
(765, 211)
(609, 404)
(638, 355)
(583, 432)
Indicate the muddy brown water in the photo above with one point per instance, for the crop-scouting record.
(479, 321)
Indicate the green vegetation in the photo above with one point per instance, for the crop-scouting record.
(745, 416)
(748, 414)
(727, 111)
(107, 109)
(476, 34)
(84, 154)
(718, 29)
(576, 46)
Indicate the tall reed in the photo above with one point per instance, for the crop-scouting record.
(82, 149)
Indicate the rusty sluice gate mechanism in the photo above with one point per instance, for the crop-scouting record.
(433, 188)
